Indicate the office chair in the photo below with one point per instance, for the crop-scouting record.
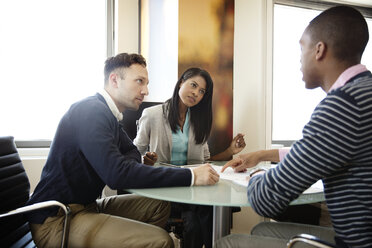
(311, 240)
(131, 117)
(129, 124)
(14, 193)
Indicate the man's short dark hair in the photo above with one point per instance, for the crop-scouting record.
(343, 29)
(122, 60)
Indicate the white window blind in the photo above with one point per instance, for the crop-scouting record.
(51, 54)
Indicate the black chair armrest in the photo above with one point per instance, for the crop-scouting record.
(309, 239)
(41, 205)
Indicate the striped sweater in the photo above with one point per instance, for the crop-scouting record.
(337, 148)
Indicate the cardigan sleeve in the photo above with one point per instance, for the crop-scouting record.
(206, 153)
(142, 139)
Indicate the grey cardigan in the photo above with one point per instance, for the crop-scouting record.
(155, 135)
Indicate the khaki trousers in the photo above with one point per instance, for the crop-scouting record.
(118, 221)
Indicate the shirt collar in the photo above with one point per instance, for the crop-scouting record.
(347, 75)
(115, 111)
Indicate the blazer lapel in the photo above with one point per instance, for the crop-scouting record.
(168, 133)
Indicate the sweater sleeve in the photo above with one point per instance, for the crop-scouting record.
(328, 145)
(114, 158)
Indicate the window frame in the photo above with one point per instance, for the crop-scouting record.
(365, 9)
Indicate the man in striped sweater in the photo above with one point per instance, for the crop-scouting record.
(336, 145)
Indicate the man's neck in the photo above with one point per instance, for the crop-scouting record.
(332, 72)
(348, 74)
(117, 112)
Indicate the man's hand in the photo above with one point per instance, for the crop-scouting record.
(150, 158)
(242, 162)
(248, 160)
(205, 175)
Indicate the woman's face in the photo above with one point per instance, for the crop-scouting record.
(192, 91)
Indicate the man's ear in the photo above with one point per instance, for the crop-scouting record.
(321, 49)
(113, 79)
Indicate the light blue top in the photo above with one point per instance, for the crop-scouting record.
(180, 141)
(155, 135)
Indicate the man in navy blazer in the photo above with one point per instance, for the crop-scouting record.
(90, 150)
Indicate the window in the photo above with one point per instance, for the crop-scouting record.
(52, 55)
(292, 103)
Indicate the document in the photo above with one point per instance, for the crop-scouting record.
(240, 178)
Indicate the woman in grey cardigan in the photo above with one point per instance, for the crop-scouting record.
(177, 131)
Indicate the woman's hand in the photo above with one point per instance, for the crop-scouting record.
(150, 158)
(237, 144)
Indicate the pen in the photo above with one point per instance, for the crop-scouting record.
(190, 165)
(166, 164)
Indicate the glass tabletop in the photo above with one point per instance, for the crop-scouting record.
(224, 193)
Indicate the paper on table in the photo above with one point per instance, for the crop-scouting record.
(315, 188)
(240, 178)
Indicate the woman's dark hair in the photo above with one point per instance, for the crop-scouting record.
(200, 114)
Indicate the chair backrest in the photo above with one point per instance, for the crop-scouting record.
(129, 123)
(131, 117)
(14, 193)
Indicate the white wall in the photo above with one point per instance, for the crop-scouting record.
(33, 167)
(33, 160)
(251, 85)
(126, 26)
(251, 81)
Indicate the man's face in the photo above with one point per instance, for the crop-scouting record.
(132, 87)
(308, 62)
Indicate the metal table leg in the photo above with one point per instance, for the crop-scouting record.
(221, 222)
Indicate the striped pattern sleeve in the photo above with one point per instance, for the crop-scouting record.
(336, 147)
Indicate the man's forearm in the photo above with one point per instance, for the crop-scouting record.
(269, 155)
